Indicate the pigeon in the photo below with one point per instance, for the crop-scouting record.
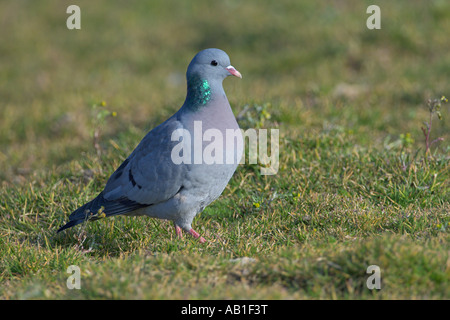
(170, 175)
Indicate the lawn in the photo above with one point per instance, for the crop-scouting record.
(355, 186)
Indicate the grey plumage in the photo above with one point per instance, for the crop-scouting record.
(149, 183)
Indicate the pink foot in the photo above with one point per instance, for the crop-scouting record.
(178, 231)
(192, 232)
(196, 235)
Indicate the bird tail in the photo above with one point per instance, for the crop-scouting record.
(100, 208)
(92, 210)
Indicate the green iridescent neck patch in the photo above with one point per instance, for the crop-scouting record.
(199, 92)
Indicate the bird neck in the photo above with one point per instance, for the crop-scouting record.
(200, 92)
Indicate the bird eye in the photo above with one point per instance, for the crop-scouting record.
(214, 63)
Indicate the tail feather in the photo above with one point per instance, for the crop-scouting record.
(99, 208)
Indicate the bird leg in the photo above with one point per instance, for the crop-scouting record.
(178, 231)
(192, 232)
(196, 235)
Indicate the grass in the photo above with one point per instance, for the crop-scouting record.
(354, 188)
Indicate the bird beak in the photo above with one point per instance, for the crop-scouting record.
(233, 71)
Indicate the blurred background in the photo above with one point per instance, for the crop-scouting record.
(313, 64)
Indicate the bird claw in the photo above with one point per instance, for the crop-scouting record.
(178, 231)
(192, 232)
(196, 235)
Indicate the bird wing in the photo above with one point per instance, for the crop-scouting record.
(148, 176)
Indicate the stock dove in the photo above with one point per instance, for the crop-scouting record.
(183, 164)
